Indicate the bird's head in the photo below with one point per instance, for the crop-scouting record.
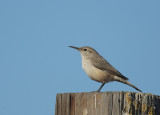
(85, 51)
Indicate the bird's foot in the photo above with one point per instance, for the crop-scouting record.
(95, 91)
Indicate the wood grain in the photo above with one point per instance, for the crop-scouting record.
(107, 103)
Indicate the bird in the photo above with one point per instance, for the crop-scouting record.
(99, 69)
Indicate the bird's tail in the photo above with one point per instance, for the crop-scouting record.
(126, 82)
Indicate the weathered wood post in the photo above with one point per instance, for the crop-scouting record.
(107, 103)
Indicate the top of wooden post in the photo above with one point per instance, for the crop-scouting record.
(107, 103)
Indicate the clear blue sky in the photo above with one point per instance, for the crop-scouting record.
(36, 64)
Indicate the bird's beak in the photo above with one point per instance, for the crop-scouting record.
(74, 47)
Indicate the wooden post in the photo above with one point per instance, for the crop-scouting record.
(107, 103)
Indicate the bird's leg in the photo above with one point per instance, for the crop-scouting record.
(100, 87)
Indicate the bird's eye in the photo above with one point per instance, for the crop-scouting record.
(85, 49)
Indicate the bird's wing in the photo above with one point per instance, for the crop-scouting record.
(104, 65)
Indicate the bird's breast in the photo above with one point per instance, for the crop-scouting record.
(94, 73)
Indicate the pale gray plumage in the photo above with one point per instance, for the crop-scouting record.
(98, 69)
(104, 65)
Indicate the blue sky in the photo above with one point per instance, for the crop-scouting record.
(36, 62)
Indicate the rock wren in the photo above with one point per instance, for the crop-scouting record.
(98, 69)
